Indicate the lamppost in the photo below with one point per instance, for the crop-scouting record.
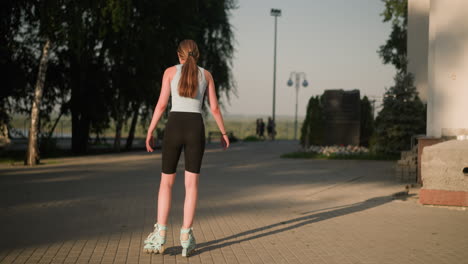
(276, 13)
(298, 76)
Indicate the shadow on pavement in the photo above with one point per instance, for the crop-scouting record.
(309, 218)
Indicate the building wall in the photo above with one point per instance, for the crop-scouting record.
(443, 177)
(417, 45)
(447, 112)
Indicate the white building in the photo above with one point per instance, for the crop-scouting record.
(438, 57)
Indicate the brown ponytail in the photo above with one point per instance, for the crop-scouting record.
(188, 83)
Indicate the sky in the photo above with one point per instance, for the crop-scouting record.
(334, 42)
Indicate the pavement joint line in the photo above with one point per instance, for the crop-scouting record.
(335, 185)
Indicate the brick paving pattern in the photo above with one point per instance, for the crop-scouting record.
(254, 207)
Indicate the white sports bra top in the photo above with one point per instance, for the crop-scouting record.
(187, 104)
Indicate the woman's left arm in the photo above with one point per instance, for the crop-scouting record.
(160, 106)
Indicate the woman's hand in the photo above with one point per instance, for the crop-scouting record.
(149, 143)
(225, 142)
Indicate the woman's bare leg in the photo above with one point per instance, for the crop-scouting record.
(164, 198)
(191, 196)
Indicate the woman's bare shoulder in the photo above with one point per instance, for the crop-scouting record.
(208, 75)
(170, 72)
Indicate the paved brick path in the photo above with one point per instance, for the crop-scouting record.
(253, 208)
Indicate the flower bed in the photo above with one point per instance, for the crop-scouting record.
(337, 150)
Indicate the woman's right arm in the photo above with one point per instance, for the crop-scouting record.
(214, 107)
(160, 106)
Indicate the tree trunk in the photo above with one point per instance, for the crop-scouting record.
(51, 132)
(32, 156)
(118, 132)
(119, 120)
(131, 133)
(81, 122)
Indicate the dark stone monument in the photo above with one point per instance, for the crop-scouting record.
(342, 117)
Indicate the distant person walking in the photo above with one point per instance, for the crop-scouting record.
(257, 127)
(271, 129)
(185, 128)
(261, 134)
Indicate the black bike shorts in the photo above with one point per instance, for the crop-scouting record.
(183, 130)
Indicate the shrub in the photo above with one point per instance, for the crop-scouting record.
(313, 125)
(402, 116)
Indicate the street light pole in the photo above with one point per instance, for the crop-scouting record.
(295, 115)
(276, 13)
(304, 84)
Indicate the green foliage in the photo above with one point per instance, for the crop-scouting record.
(367, 122)
(108, 56)
(402, 116)
(395, 11)
(118, 12)
(313, 127)
(394, 50)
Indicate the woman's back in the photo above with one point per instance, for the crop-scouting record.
(187, 104)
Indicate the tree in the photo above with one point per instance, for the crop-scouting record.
(403, 115)
(12, 59)
(313, 126)
(394, 50)
(108, 57)
(26, 26)
(32, 156)
(367, 122)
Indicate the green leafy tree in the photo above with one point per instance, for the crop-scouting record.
(28, 31)
(108, 57)
(17, 59)
(402, 116)
(394, 50)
